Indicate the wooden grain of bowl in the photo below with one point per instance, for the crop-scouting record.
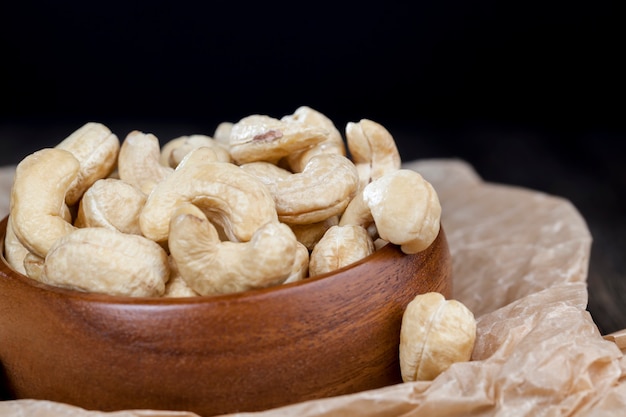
(330, 335)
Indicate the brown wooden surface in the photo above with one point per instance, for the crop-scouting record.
(333, 335)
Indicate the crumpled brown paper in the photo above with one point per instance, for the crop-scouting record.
(520, 262)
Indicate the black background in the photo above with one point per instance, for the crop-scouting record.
(530, 93)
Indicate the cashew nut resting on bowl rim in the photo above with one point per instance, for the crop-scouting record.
(37, 207)
(111, 262)
(340, 246)
(403, 206)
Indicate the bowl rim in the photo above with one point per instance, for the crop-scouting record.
(388, 248)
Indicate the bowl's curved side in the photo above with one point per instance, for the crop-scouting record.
(215, 355)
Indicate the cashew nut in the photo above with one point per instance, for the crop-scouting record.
(234, 199)
(310, 234)
(267, 172)
(177, 287)
(373, 150)
(434, 334)
(37, 207)
(96, 259)
(300, 269)
(96, 149)
(332, 144)
(138, 161)
(263, 138)
(404, 207)
(175, 150)
(33, 265)
(340, 246)
(111, 203)
(211, 266)
(222, 134)
(322, 190)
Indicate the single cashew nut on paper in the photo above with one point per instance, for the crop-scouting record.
(340, 246)
(435, 333)
(37, 208)
(138, 161)
(100, 260)
(373, 150)
(264, 138)
(235, 200)
(211, 266)
(322, 190)
(96, 149)
(404, 207)
(111, 203)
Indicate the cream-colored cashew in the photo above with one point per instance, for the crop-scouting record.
(373, 150)
(100, 260)
(234, 199)
(138, 161)
(322, 190)
(14, 251)
(404, 207)
(176, 149)
(222, 134)
(300, 269)
(37, 207)
(177, 287)
(19, 257)
(332, 144)
(33, 265)
(96, 149)
(267, 172)
(340, 246)
(211, 266)
(263, 138)
(310, 234)
(111, 203)
(434, 334)
(380, 243)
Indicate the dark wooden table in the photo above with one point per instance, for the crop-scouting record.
(586, 167)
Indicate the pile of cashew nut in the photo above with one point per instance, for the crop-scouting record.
(262, 202)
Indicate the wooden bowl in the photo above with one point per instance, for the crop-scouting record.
(326, 336)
